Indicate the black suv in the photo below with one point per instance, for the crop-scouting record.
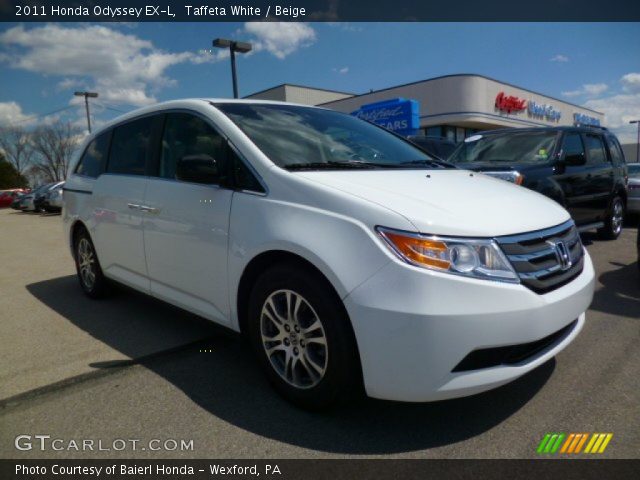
(582, 168)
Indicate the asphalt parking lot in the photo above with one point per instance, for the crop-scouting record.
(130, 367)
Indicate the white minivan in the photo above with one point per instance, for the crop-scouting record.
(346, 255)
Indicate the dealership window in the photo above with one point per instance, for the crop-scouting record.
(130, 147)
(95, 156)
(433, 131)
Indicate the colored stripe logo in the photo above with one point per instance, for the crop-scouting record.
(573, 443)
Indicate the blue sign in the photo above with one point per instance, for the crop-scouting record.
(582, 119)
(544, 110)
(398, 115)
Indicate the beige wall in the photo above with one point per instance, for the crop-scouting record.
(303, 95)
(467, 100)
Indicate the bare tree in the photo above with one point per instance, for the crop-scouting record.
(53, 146)
(14, 142)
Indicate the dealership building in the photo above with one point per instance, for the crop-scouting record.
(452, 106)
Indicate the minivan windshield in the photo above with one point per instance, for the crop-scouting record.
(505, 148)
(297, 138)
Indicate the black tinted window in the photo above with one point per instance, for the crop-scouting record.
(595, 147)
(572, 146)
(95, 156)
(187, 135)
(130, 147)
(616, 153)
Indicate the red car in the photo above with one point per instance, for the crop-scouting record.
(8, 196)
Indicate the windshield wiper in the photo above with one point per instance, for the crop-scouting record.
(436, 163)
(336, 165)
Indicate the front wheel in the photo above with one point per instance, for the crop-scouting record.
(613, 223)
(301, 334)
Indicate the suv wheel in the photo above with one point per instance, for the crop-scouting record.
(92, 281)
(301, 334)
(613, 223)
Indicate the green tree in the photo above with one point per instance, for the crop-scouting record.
(9, 176)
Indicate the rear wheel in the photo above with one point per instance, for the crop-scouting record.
(90, 276)
(613, 223)
(302, 337)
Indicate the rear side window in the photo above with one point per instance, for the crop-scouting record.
(95, 156)
(595, 148)
(572, 146)
(616, 153)
(186, 135)
(130, 147)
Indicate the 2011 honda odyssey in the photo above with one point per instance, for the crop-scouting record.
(346, 255)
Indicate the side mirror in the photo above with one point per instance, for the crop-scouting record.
(575, 160)
(201, 168)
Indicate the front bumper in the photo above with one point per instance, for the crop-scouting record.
(414, 326)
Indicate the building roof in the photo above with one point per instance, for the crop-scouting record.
(299, 86)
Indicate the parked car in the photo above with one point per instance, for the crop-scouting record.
(438, 147)
(8, 196)
(582, 168)
(40, 198)
(27, 202)
(344, 253)
(53, 199)
(633, 202)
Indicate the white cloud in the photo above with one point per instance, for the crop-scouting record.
(341, 71)
(280, 38)
(559, 58)
(11, 113)
(588, 89)
(631, 82)
(345, 26)
(619, 110)
(122, 67)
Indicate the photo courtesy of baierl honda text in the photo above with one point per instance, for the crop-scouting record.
(319, 239)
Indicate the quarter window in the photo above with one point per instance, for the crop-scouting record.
(92, 162)
(188, 135)
(616, 154)
(130, 147)
(597, 154)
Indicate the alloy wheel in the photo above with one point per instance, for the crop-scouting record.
(617, 217)
(86, 263)
(294, 339)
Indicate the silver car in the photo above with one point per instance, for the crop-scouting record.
(633, 202)
(53, 198)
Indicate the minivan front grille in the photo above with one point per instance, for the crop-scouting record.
(545, 259)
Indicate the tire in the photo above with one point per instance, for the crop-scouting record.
(314, 362)
(613, 223)
(88, 269)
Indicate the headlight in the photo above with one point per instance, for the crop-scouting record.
(511, 176)
(477, 258)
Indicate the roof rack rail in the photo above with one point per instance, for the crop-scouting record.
(587, 125)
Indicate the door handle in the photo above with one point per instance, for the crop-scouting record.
(133, 206)
(146, 208)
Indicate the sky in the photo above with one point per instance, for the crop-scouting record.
(136, 64)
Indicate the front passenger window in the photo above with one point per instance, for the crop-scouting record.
(187, 136)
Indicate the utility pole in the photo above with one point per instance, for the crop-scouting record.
(86, 96)
(637, 140)
(233, 46)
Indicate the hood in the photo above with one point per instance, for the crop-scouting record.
(499, 166)
(449, 202)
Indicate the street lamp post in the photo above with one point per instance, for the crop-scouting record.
(233, 46)
(637, 140)
(86, 96)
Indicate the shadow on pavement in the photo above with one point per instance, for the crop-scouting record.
(621, 292)
(227, 382)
